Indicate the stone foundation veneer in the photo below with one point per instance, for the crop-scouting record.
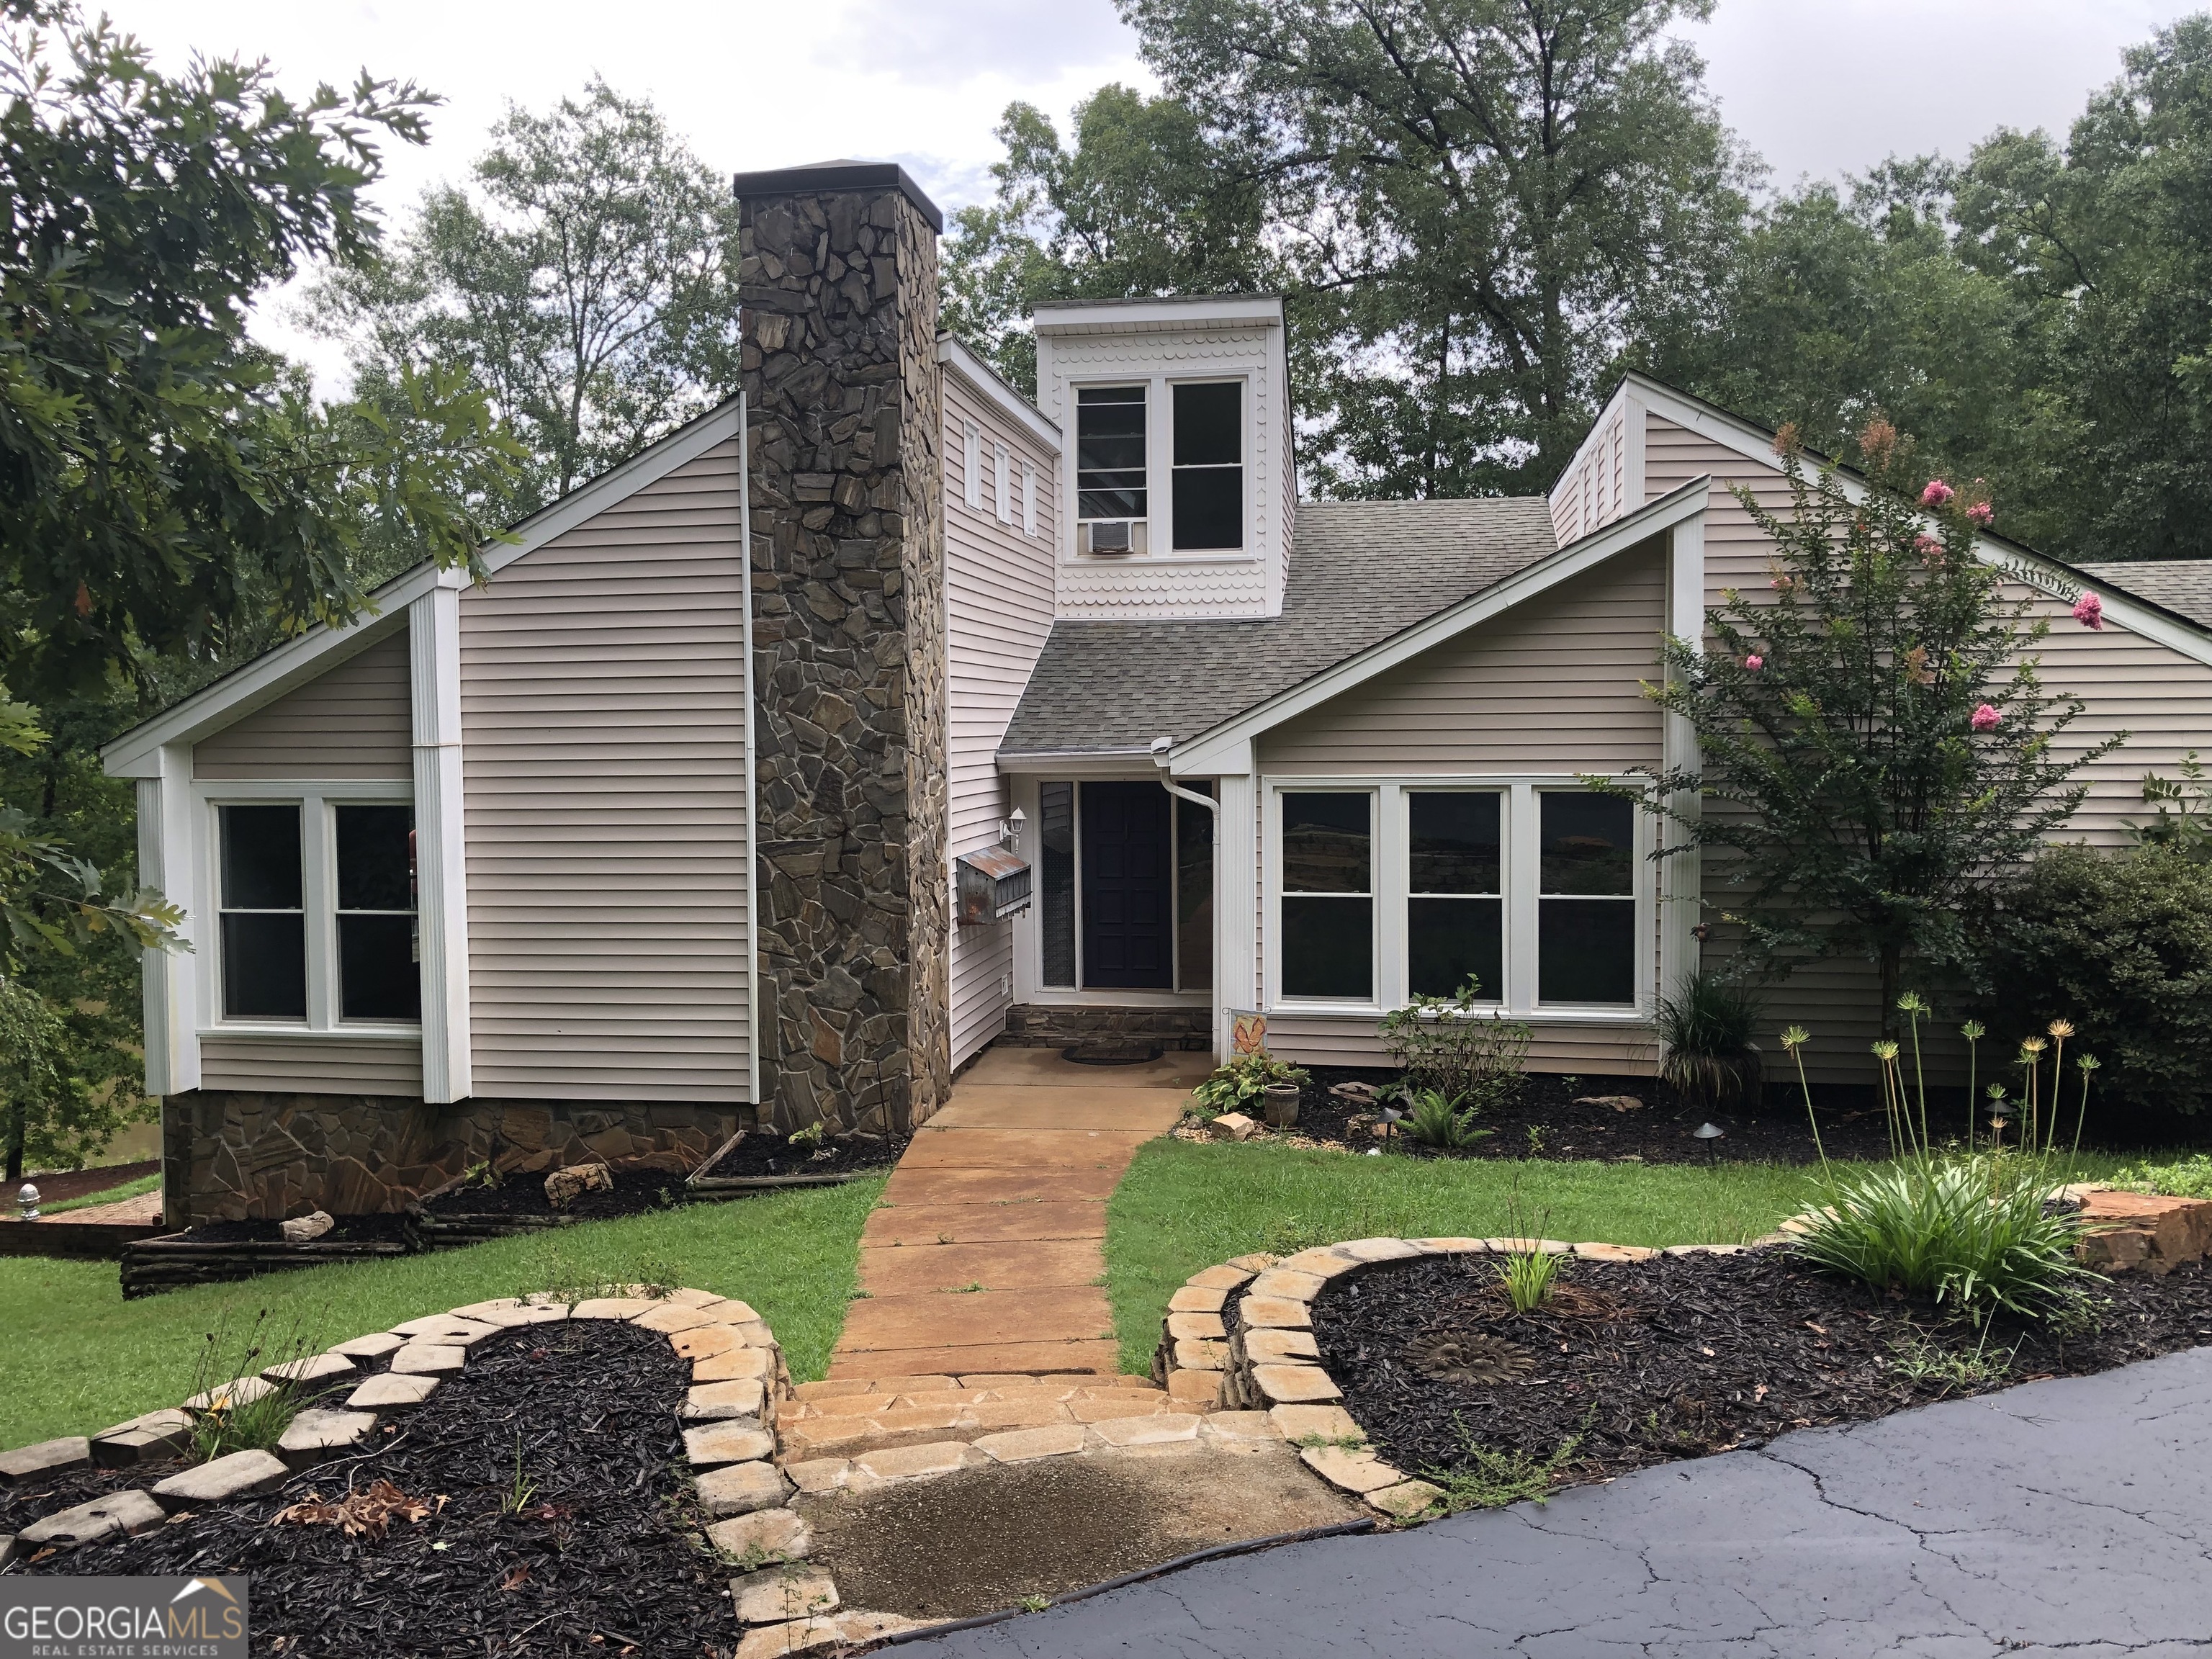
(1046, 1025)
(839, 286)
(228, 1155)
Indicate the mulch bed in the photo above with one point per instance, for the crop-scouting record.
(64, 1489)
(599, 1559)
(1685, 1356)
(635, 1192)
(350, 1229)
(1659, 1132)
(763, 1153)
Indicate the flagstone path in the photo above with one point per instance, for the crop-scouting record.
(986, 1257)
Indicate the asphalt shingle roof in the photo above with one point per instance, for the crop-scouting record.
(2182, 585)
(1360, 572)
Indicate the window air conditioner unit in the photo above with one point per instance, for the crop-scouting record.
(1110, 538)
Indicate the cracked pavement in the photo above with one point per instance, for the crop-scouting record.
(2070, 1516)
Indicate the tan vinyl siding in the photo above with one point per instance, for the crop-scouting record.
(2160, 697)
(351, 722)
(1591, 494)
(1557, 1046)
(603, 725)
(999, 605)
(316, 1064)
(1554, 685)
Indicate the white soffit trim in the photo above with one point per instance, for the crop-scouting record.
(291, 665)
(1204, 754)
(985, 379)
(1134, 316)
(2032, 569)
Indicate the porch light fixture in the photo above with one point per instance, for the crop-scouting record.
(27, 1203)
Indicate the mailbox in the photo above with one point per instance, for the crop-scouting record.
(993, 884)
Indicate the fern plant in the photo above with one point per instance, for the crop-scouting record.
(1438, 1119)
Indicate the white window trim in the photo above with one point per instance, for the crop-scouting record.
(1002, 481)
(971, 466)
(1159, 467)
(1248, 436)
(1520, 855)
(318, 872)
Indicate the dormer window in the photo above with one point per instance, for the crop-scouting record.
(1111, 499)
(1209, 465)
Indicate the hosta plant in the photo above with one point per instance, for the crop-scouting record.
(1240, 1084)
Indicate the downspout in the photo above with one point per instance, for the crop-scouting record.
(1161, 746)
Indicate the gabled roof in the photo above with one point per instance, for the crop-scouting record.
(259, 681)
(1360, 572)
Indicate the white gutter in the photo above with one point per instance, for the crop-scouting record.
(1162, 748)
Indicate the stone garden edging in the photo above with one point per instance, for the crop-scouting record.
(739, 1384)
(1260, 1354)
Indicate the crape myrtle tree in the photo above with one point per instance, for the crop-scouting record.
(1875, 742)
(163, 482)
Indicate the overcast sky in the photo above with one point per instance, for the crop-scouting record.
(1816, 89)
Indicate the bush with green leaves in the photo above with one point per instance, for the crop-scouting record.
(1458, 1047)
(1240, 1083)
(1436, 1119)
(2190, 1178)
(2120, 946)
(1706, 1053)
(1972, 1231)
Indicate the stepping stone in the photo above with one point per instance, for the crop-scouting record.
(317, 1437)
(314, 1368)
(1240, 1425)
(1297, 1423)
(775, 1598)
(763, 1538)
(1277, 1312)
(1275, 1347)
(741, 1488)
(119, 1513)
(1027, 1445)
(912, 1463)
(1196, 1327)
(1129, 1404)
(1147, 1430)
(815, 1634)
(507, 1313)
(694, 1298)
(1360, 1472)
(239, 1391)
(144, 1439)
(669, 1318)
(391, 1393)
(1294, 1385)
(1406, 1499)
(374, 1345)
(815, 1475)
(728, 1310)
(428, 1359)
(727, 1443)
(46, 1457)
(240, 1475)
(1201, 1389)
(703, 1342)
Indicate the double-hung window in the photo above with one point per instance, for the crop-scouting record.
(1328, 894)
(1209, 465)
(1454, 893)
(1586, 899)
(317, 924)
(1109, 454)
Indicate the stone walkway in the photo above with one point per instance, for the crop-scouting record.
(987, 1254)
(2073, 1517)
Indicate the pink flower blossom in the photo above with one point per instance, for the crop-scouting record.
(1936, 494)
(2089, 611)
(1754, 662)
(1986, 718)
(1981, 512)
(1926, 546)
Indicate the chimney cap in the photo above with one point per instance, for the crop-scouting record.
(820, 177)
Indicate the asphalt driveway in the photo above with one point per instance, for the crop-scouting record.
(2071, 1517)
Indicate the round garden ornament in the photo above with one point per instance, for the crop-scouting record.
(27, 1203)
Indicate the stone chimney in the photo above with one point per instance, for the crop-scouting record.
(839, 288)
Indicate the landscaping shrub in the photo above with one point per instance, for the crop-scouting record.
(2190, 1177)
(1453, 1045)
(1972, 1231)
(1705, 1034)
(1436, 1119)
(2122, 946)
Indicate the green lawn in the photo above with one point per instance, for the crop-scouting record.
(81, 1357)
(1187, 1204)
(108, 1195)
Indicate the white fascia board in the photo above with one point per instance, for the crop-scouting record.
(1210, 752)
(273, 673)
(985, 379)
(1079, 762)
(1134, 316)
(2032, 569)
